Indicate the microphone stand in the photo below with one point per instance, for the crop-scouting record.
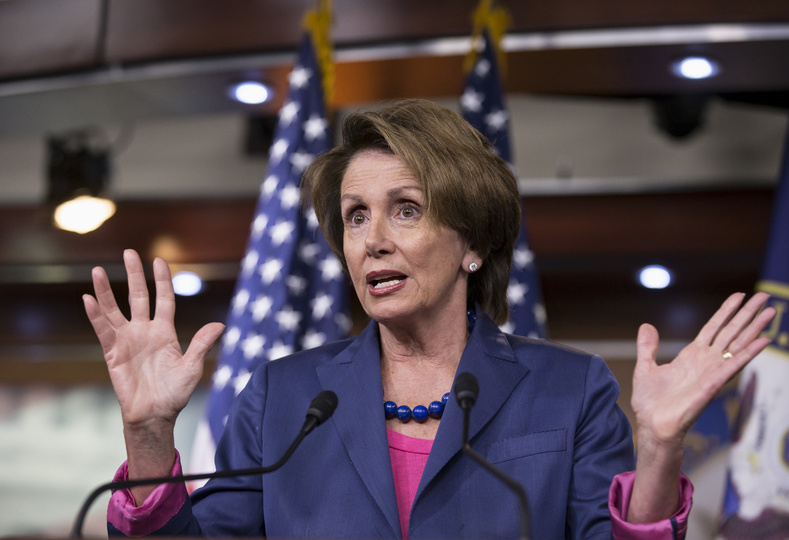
(320, 409)
(466, 390)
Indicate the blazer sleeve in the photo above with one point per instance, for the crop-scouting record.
(602, 448)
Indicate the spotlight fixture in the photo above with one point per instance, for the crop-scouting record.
(250, 92)
(695, 67)
(655, 276)
(78, 171)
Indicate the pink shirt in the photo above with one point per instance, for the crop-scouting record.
(409, 456)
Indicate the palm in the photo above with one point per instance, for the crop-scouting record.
(668, 398)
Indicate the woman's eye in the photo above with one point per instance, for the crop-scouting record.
(408, 212)
(357, 219)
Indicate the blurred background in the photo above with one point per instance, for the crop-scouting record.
(623, 163)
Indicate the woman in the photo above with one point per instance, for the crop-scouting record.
(423, 217)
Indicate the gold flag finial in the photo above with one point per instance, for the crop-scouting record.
(318, 23)
(495, 20)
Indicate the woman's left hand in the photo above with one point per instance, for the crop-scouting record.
(668, 398)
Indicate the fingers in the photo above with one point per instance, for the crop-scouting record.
(100, 324)
(106, 299)
(165, 297)
(139, 303)
(710, 330)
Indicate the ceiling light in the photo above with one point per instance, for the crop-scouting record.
(187, 283)
(655, 276)
(83, 214)
(695, 67)
(250, 92)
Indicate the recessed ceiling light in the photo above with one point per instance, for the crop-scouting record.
(187, 283)
(250, 92)
(655, 276)
(695, 67)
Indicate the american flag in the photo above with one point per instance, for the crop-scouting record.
(291, 292)
(482, 104)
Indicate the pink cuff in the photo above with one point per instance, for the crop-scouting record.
(619, 501)
(160, 506)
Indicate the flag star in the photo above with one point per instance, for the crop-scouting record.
(496, 119)
(522, 257)
(313, 339)
(312, 219)
(482, 67)
(300, 160)
(315, 127)
(281, 232)
(249, 263)
(308, 251)
(279, 350)
(269, 185)
(289, 112)
(540, 314)
(516, 292)
(270, 270)
(296, 284)
(299, 77)
(278, 150)
(231, 338)
(221, 377)
(508, 327)
(259, 226)
(240, 301)
(290, 197)
(261, 307)
(321, 306)
(330, 268)
(241, 380)
(288, 319)
(252, 345)
(471, 100)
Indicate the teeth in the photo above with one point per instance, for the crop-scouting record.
(386, 283)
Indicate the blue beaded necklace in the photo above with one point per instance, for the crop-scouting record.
(420, 412)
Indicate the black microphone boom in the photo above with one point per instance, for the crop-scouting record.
(466, 392)
(321, 408)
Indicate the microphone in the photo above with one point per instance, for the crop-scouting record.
(321, 408)
(466, 392)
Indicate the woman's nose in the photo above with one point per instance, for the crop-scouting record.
(379, 238)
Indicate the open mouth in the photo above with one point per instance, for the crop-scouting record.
(386, 281)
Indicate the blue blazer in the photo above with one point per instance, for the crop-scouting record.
(546, 415)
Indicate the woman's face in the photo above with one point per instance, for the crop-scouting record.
(403, 265)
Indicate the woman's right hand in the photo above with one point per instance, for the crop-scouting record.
(153, 379)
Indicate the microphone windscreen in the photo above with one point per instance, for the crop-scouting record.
(466, 389)
(322, 407)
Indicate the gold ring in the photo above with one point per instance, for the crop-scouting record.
(727, 354)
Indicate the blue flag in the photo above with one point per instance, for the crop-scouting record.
(482, 104)
(291, 293)
(756, 503)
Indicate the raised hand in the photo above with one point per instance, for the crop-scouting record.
(152, 378)
(668, 398)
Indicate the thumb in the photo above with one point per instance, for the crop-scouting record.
(646, 346)
(203, 340)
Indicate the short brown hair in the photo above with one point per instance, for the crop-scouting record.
(467, 187)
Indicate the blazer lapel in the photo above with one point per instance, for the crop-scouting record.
(355, 376)
(489, 357)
